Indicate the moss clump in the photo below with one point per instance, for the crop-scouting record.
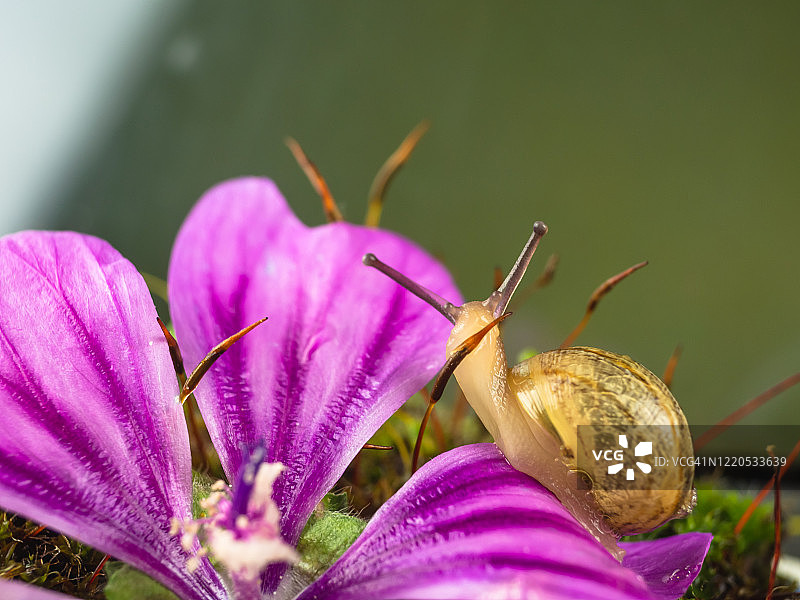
(327, 534)
(48, 559)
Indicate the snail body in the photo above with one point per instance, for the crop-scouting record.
(534, 409)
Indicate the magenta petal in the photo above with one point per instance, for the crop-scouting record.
(668, 565)
(468, 525)
(14, 590)
(343, 348)
(92, 441)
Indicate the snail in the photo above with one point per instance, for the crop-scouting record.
(534, 409)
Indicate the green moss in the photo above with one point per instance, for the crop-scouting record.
(327, 535)
(201, 488)
(48, 559)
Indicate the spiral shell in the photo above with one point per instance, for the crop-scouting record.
(563, 389)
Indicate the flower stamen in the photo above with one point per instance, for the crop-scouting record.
(241, 526)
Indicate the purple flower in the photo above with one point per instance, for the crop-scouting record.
(93, 443)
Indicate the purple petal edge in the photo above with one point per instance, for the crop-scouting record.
(92, 442)
(668, 565)
(468, 525)
(16, 590)
(343, 348)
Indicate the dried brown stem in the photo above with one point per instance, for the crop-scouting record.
(194, 379)
(332, 212)
(595, 298)
(399, 157)
(672, 363)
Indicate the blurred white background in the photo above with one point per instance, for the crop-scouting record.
(66, 69)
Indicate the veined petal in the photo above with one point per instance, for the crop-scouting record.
(92, 440)
(468, 525)
(343, 348)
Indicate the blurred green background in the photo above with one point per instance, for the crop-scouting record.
(658, 131)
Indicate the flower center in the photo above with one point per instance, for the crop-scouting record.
(240, 528)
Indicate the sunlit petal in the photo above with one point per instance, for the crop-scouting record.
(92, 441)
(343, 348)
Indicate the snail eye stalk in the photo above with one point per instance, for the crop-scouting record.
(447, 309)
(498, 301)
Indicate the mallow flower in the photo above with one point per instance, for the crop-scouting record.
(93, 442)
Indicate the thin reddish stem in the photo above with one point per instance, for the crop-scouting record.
(332, 212)
(455, 359)
(745, 410)
(765, 490)
(99, 569)
(776, 554)
(672, 363)
(595, 298)
(389, 169)
(190, 385)
(418, 444)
